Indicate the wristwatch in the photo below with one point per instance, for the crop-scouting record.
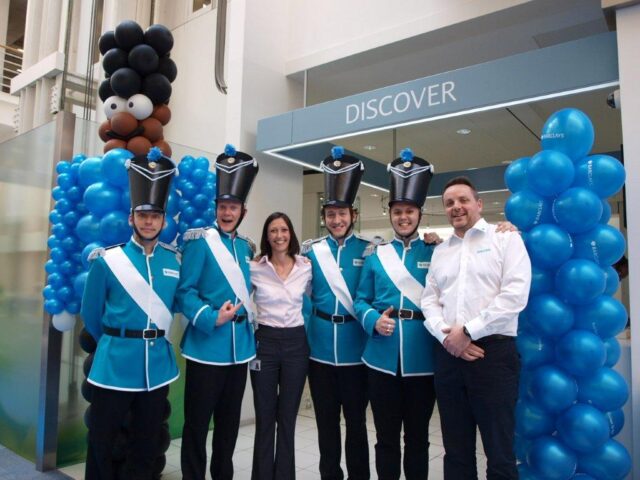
(466, 332)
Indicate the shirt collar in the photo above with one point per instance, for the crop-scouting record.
(346, 239)
(481, 226)
(231, 235)
(140, 248)
(413, 239)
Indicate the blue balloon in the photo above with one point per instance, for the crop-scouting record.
(188, 190)
(53, 241)
(605, 389)
(71, 218)
(199, 176)
(580, 353)
(169, 231)
(549, 246)
(73, 307)
(125, 201)
(583, 427)
(577, 210)
(186, 165)
(569, 131)
(526, 209)
(88, 228)
(202, 163)
(613, 280)
(78, 158)
(53, 306)
(70, 244)
(579, 282)
(189, 214)
(101, 198)
(613, 351)
(115, 228)
(552, 459)
(64, 205)
(209, 215)
(208, 191)
(549, 172)
(606, 212)
(553, 389)
(602, 244)
(55, 216)
(542, 281)
(605, 316)
(113, 167)
(79, 283)
(602, 174)
(61, 231)
(55, 280)
(515, 176)
(548, 315)
(198, 223)
(582, 476)
(66, 268)
(173, 204)
(50, 266)
(74, 194)
(64, 294)
(86, 251)
(90, 171)
(525, 473)
(182, 226)
(66, 181)
(610, 461)
(533, 420)
(200, 202)
(74, 171)
(48, 292)
(62, 167)
(521, 446)
(57, 193)
(616, 421)
(58, 255)
(534, 349)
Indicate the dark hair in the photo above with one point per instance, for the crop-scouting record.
(265, 247)
(461, 181)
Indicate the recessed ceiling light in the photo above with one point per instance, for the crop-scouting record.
(496, 203)
(463, 131)
(507, 162)
(374, 194)
(472, 168)
(369, 147)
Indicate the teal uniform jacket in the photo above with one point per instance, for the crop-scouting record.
(334, 343)
(202, 291)
(410, 347)
(130, 364)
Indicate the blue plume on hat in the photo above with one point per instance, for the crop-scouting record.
(337, 152)
(229, 150)
(154, 154)
(406, 154)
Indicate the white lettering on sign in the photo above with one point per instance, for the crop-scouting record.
(436, 94)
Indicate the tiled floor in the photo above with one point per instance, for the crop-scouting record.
(307, 453)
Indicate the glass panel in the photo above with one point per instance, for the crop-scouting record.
(25, 189)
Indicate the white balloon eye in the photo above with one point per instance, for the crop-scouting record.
(139, 106)
(114, 105)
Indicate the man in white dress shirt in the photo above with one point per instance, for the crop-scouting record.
(477, 284)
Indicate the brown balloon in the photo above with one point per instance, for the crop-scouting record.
(123, 123)
(114, 143)
(152, 129)
(164, 146)
(102, 131)
(162, 113)
(139, 145)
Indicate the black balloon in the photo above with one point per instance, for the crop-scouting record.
(167, 67)
(125, 82)
(107, 42)
(157, 87)
(143, 59)
(105, 91)
(128, 34)
(160, 38)
(114, 59)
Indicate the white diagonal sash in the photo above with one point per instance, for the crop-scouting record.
(399, 275)
(138, 288)
(333, 275)
(230, 269)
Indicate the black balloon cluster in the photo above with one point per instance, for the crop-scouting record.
(137, 61)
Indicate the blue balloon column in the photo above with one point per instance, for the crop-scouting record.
(570, 400)
(92, 210)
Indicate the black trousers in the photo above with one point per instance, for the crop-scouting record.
(332, 389)
(399, 402)
(283, 356)
(211, 390)
(482, 393)
(109, 410)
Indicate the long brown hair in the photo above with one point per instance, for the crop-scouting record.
(265, 247)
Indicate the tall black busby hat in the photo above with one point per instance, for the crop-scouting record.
(342, 175)
(235, 173)
(409, 178)
(149, 180)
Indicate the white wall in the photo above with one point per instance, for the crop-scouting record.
(327, 30)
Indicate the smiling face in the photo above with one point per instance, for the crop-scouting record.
(405, 218)
(338, 220)
(278, 236)
(228, 213)
(147, 224)
(462, 207)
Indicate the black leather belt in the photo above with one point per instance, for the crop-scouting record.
(239, 318)
(406, 314)
(333, 318)
(494, 338)
(147, 333)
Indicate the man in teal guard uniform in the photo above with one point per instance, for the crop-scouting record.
(337, 376)
(399, 352)
(218, 342)
(128, 307)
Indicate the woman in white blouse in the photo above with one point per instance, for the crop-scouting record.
(280, 278)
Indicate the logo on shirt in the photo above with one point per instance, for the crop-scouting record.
(484, 250)
(167, 272)
(358, 262)
(424, 264)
